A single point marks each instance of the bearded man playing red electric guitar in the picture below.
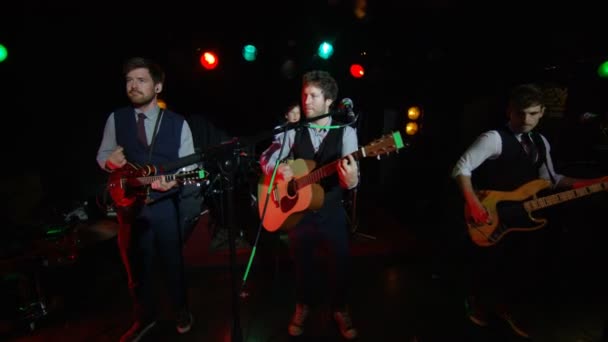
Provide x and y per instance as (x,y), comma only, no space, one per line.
(147,135)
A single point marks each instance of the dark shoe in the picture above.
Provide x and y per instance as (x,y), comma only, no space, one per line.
(296,326)
(516,326)
(477,313)
(345,324)
(184,322)
(137,331)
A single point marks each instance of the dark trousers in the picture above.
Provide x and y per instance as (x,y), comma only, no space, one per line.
(508,273)
(152,233)
(330,231)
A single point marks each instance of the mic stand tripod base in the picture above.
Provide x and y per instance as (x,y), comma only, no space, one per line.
(354,231)
(370,237)
(229,169)
(352,217)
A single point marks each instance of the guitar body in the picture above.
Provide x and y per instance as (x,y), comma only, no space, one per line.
(287,205)
(507,213)
(123,187)
(130,185)
(289,201)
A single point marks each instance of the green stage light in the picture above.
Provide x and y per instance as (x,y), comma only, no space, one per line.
(602,70)
(325,50)
(250,53)
(3,53)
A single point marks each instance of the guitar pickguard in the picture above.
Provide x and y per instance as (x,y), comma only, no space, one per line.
(513,216)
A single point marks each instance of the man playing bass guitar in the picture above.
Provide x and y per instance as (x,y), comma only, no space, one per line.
(504,160)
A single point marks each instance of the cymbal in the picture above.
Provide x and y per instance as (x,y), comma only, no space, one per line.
(98,231)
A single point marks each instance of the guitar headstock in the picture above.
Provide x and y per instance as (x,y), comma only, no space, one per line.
(191,177)
(384,145)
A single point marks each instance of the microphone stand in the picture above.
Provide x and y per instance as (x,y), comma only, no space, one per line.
(228,168)
(351,202)
(227,156)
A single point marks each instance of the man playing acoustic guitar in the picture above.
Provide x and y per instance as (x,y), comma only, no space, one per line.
(504,160)
(323,142)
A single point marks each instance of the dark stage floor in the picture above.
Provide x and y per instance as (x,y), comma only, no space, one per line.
(406,286)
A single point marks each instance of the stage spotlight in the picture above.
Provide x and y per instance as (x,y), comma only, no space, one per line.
(325,50)
(360,9)
(411,128)
(209,60)
(3,53)
(289,69)
(414,120)
(357,70)
(250,53)
(602,70)
(413,113)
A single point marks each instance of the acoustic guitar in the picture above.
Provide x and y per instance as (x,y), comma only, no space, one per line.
(290,200)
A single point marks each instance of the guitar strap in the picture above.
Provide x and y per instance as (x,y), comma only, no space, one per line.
(156,124)
(296,137)
(550,174)
(542,149)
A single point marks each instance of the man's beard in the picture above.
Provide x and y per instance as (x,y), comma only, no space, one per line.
(141,101)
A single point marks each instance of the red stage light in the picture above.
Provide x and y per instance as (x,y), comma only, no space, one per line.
(209,60)
(357,71)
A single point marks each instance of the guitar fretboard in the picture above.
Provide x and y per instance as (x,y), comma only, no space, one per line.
(561,197)
(150,179)
(324,171)
(388,143)
(146,180)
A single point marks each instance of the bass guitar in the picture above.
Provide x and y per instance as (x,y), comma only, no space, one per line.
(511,211)
(131,182)
(290,200)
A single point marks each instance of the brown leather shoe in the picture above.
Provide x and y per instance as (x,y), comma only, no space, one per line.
(296,326)
(517,326)
(345,325)
(477,312)
(137,331)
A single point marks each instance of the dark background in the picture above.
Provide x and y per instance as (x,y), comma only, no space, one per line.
(63,77)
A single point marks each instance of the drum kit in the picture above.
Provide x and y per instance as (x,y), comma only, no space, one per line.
(29,257)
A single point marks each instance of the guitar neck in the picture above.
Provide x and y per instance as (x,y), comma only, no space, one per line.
(150,179)
(548,201)
(324,171)
(385,145)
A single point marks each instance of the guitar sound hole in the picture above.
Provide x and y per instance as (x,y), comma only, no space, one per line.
(292,189)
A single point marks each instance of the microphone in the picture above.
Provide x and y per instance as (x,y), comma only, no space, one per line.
(346,105)
(588,116)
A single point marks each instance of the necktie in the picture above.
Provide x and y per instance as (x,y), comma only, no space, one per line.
(141,129)
(529,146)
